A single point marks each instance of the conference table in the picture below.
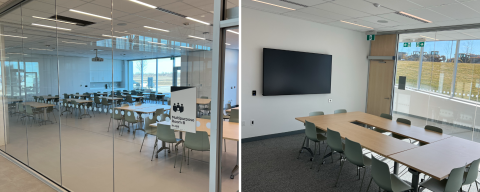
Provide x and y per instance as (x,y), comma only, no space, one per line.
(143,108)
(41,105)
(230,132)
(437,158)
(81,101)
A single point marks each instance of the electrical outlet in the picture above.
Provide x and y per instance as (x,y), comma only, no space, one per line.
(243,123)
(251,122)
(330,100)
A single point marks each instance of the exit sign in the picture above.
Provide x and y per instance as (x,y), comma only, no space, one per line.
(407,44)
(370,37)
(420,44)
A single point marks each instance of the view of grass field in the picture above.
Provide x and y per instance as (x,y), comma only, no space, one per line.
(437,77)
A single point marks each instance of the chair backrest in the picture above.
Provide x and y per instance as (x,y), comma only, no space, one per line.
(129,99)
(29,109)
(74,103)
(166,134)
(381,174)
(117,114)
(105,101)
(159,111)
(472,172)
(204,97)
(433,128)
(234,116)
(197,141)
(455,179)
(130,117)
(334,140)
(35,98)
(49,94)
(96,99)
(315,113)
(229,106)
(41,99)
(311,131)
(404,121)
(65,96)
(354,152)
(386,116)
(205,117)
(340,111)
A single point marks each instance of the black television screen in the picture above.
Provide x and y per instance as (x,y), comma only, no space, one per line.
(295,73)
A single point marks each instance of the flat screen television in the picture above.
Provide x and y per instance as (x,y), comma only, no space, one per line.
(296,73)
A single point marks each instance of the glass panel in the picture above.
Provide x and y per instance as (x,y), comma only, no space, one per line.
(438,66)
(137,74)
(408,60)
(467,85)
(165,75)
(149,75)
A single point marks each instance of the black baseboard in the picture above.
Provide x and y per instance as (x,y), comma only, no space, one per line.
(250,139)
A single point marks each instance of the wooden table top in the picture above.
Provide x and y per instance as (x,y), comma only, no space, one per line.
(38,105)
(80,100)
(230,129)
(48,97)
(203,101)
(144,108)
(228,110)
(439,158)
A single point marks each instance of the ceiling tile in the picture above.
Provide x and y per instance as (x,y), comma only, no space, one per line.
(363,6)
(323,13)
(332,7)
(402,20)
(431,3)
(267,8)
(375,19)
(430,15)
(398,5)
(308,17)
(456,11)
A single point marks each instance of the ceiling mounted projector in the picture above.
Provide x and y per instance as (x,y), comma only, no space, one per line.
(96,58)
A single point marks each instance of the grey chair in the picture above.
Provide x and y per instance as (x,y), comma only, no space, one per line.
(167,135)
(234,116)
(117,115)
(404,121)
(316,113)
(195,141)
(386,116)
(452,184)
(312,135)
(340,111)
(131,120)
(431,128)
(384,179)
(334,141)
(354,154)
(471,176)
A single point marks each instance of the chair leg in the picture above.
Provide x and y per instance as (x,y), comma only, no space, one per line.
(369,183)
(176,153)
(181,163)
(303,144)
(314,151)
(154,147)
(142,142)
(225,144)
(321,160)
(361,184)
(468,187)
(340,172)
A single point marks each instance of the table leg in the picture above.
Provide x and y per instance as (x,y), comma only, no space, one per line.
(415,179)
(44,114)
(395,168)
(235,169)
(162,148)
(140,127)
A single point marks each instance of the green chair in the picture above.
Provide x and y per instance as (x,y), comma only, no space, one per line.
(229,106)
(148,130)
(431,128)
(386,116)
(152,97)
(159,112)
(234,116)
(167,135)
(195,141)
(354,154)
(404,121)
(66,107)
(334,141)
(130,118)
(205,117)
(65,96)
(384,179)
(129,99)
(312,135)
(50,110)
(204,97)
(117,115)
(106,103)
(35,98)
(452,184)
(471,176)
(316,113)
(76,106)
(340,111)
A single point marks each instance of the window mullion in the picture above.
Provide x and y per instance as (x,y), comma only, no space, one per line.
(420,68)
(455,69)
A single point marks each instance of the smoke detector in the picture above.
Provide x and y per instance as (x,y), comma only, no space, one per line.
(96,58)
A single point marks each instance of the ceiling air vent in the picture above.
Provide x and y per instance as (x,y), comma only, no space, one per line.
(298,4)
(78,22)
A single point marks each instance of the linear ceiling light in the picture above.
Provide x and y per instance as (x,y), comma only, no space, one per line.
(74,43)
(355,24)
(227,44)
(186,47)
(124,32)
(48,26)
(233,32)
(144,4)
(113,36)
(85,13)
(54,20)
(413,17)
(273,5)
(202,22)
(156,28)
(13,36)
(156,43)
(40,49)
(196,37)
(428,37)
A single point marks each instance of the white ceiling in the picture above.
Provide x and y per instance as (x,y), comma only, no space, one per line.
(330,12)
(132,15)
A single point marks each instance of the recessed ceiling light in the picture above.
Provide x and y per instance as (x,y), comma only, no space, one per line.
(74,43)
(382,21)
(156,28)
(413,17)
(144,4)
(273,4)
(54,20)
(113,36)
(13,36)
(48,26)
(196,37)
(227,44)
(202,22)
(85,13)
(355,24)
(233,32)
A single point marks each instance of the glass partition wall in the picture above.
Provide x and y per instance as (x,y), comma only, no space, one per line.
(442,81)
(87,89)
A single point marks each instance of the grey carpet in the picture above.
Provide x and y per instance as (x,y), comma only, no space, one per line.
(272,165)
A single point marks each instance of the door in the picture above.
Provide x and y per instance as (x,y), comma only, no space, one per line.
(380,77)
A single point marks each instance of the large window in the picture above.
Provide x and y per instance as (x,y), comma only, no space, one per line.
(156,75)
(467,84)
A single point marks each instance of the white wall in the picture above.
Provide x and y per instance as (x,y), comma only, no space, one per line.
(276,114)
(231,77)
